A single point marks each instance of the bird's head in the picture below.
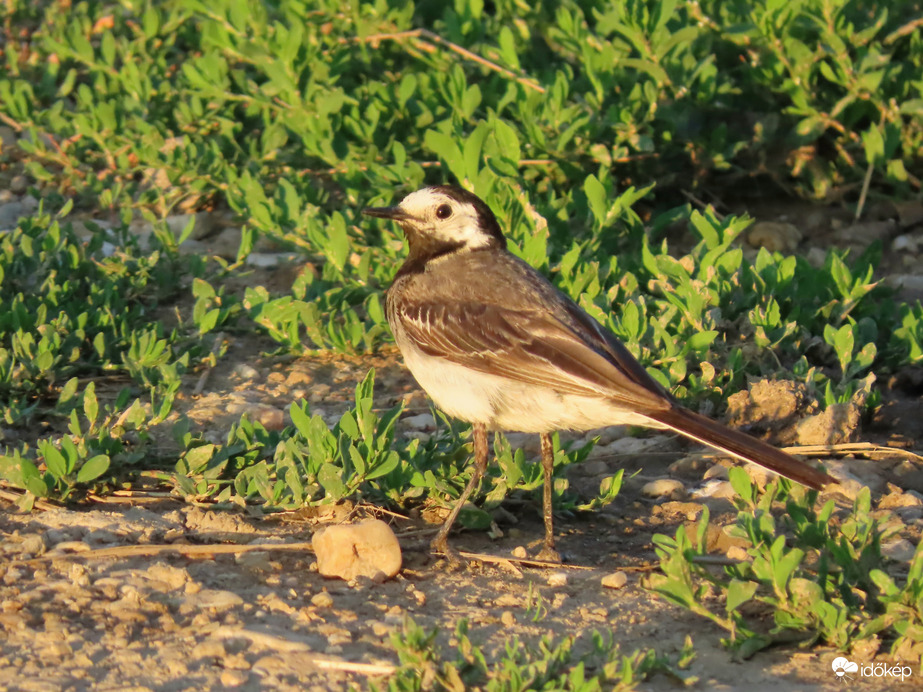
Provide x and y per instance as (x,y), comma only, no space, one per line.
(443,218)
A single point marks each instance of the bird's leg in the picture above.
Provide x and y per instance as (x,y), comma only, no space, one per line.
(548,552)
(440,543)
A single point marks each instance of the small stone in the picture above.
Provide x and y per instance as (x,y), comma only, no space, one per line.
(205,223)
(864,233)
(10,214)
(688,466)
(507,600)
(520,552)
(664,488)
(32,545)
(369,549)
(381,630)
(897,500)
(210,648)
(233,678)
(908,282)
(7,136)
(246,372)
(213,598)
(904,243)
(900,550)
(557,579)
(100,537)
(19,184)
(322,600)
(616,580)
(775,236)
(817,256)
(736,552)
(759,475)
(226,243)
(848,483)
(270,417)
(507,619)
(422,421)
(267,260)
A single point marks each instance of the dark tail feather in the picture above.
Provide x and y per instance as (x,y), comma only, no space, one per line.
(741,445)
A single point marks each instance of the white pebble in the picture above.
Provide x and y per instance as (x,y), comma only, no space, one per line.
(616,580)
(557,579)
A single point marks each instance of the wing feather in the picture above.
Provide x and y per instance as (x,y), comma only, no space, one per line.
(534,347)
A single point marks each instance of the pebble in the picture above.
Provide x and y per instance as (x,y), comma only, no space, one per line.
(557,578)
(226,243)
(687,466)
(850,484)
(775,236)
(421,421)
(900,550)
(7,136)
(520,552)
(32,545)
(904,243)
(204,224)
(664,488)
(10,213)
(213,598)
(616,580)
(267,260)
(507,619)
(835,425)
(736,552)
(322,600)
(865,232)
(635,445)
(909,282)
(233,678)
(19,184)
(898,499)
(760,475)
(367,549)
(246,372)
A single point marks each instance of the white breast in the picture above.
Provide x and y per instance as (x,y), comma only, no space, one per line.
(504,404)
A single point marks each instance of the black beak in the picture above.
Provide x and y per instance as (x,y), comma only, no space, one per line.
(393,213)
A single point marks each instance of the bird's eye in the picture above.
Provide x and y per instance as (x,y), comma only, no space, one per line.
(443,211)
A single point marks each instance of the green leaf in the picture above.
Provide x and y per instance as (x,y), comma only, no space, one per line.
(93,468)
(701,340)
(330,478)
(738,593)
(508,141)
(596,198)
(54,460)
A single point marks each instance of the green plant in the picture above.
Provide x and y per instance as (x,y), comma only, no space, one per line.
(819,580)
(548,665)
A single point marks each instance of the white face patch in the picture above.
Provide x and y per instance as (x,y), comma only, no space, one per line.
(440,217)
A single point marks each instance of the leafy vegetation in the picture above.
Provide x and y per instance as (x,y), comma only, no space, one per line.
(547,666)
(817,579)
(581,123)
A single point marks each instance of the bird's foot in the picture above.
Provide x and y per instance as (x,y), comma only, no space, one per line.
(440,546)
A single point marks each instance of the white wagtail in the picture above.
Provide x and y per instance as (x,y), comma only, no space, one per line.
(495,344)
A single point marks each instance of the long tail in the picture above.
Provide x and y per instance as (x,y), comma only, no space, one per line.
(741,445)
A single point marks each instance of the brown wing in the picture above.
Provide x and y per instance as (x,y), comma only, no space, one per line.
(534,347)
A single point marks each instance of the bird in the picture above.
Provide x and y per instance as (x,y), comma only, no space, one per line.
(495,344)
